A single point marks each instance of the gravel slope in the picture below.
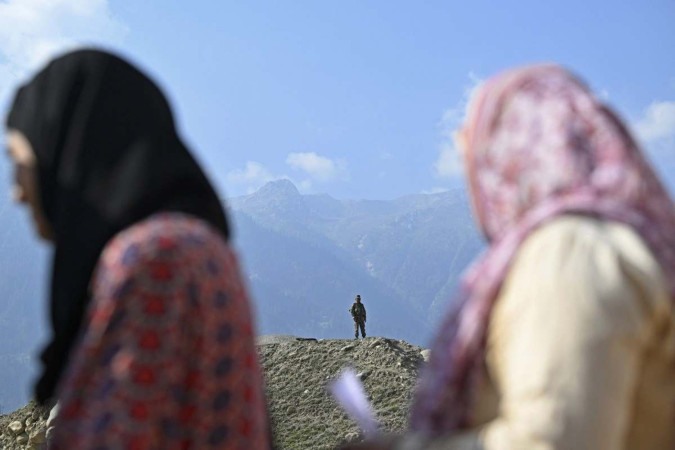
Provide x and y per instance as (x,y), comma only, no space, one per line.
(304,415)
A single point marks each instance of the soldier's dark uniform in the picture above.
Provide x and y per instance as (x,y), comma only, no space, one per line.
(359,315)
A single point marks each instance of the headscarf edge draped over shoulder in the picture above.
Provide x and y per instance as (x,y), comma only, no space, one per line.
(108,156)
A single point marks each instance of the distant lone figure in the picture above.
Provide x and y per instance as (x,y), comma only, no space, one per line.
(359,315)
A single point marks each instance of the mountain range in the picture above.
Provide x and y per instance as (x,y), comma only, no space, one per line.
(307,256)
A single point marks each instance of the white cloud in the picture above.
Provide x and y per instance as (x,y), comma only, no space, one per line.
(254,175)
(655,129)
(304,185)
(33,31)
(657,123)
(318,167)
(449,163)
(251,177)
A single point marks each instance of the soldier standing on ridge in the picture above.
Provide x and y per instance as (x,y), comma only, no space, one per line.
(358,312)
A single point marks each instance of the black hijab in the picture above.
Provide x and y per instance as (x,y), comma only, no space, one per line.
(108,156)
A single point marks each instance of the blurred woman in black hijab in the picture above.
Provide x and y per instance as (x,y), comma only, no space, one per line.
(152,336)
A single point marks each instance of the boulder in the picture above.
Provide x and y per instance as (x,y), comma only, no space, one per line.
(16,427)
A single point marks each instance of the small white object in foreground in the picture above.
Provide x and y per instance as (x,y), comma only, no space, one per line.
(349,393)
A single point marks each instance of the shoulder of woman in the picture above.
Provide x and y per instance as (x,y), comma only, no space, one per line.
(163,235)
(607,257)
(573,235)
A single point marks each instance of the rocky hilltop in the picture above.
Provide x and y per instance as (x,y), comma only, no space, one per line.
(302,412)
(24,429)
(305,416)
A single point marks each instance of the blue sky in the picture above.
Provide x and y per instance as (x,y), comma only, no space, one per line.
(353,98)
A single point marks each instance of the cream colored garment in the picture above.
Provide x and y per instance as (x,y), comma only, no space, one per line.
(581,347)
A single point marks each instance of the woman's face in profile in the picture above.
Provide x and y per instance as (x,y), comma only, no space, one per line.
(25,181)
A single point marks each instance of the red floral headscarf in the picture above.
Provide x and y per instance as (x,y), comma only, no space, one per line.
(538,145)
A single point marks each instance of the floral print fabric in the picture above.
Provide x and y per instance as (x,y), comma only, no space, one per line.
(167,359)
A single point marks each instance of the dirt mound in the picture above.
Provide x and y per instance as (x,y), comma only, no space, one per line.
(303,413)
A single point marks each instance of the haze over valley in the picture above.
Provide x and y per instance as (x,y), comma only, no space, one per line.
(305,257)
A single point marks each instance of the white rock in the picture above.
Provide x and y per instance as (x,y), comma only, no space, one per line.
(426,354)
(22,439)
(16,427)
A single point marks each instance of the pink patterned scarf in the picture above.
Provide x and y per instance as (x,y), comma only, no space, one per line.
(539,145)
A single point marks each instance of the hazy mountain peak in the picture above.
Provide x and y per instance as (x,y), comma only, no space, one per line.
(283,187)
(277,200)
